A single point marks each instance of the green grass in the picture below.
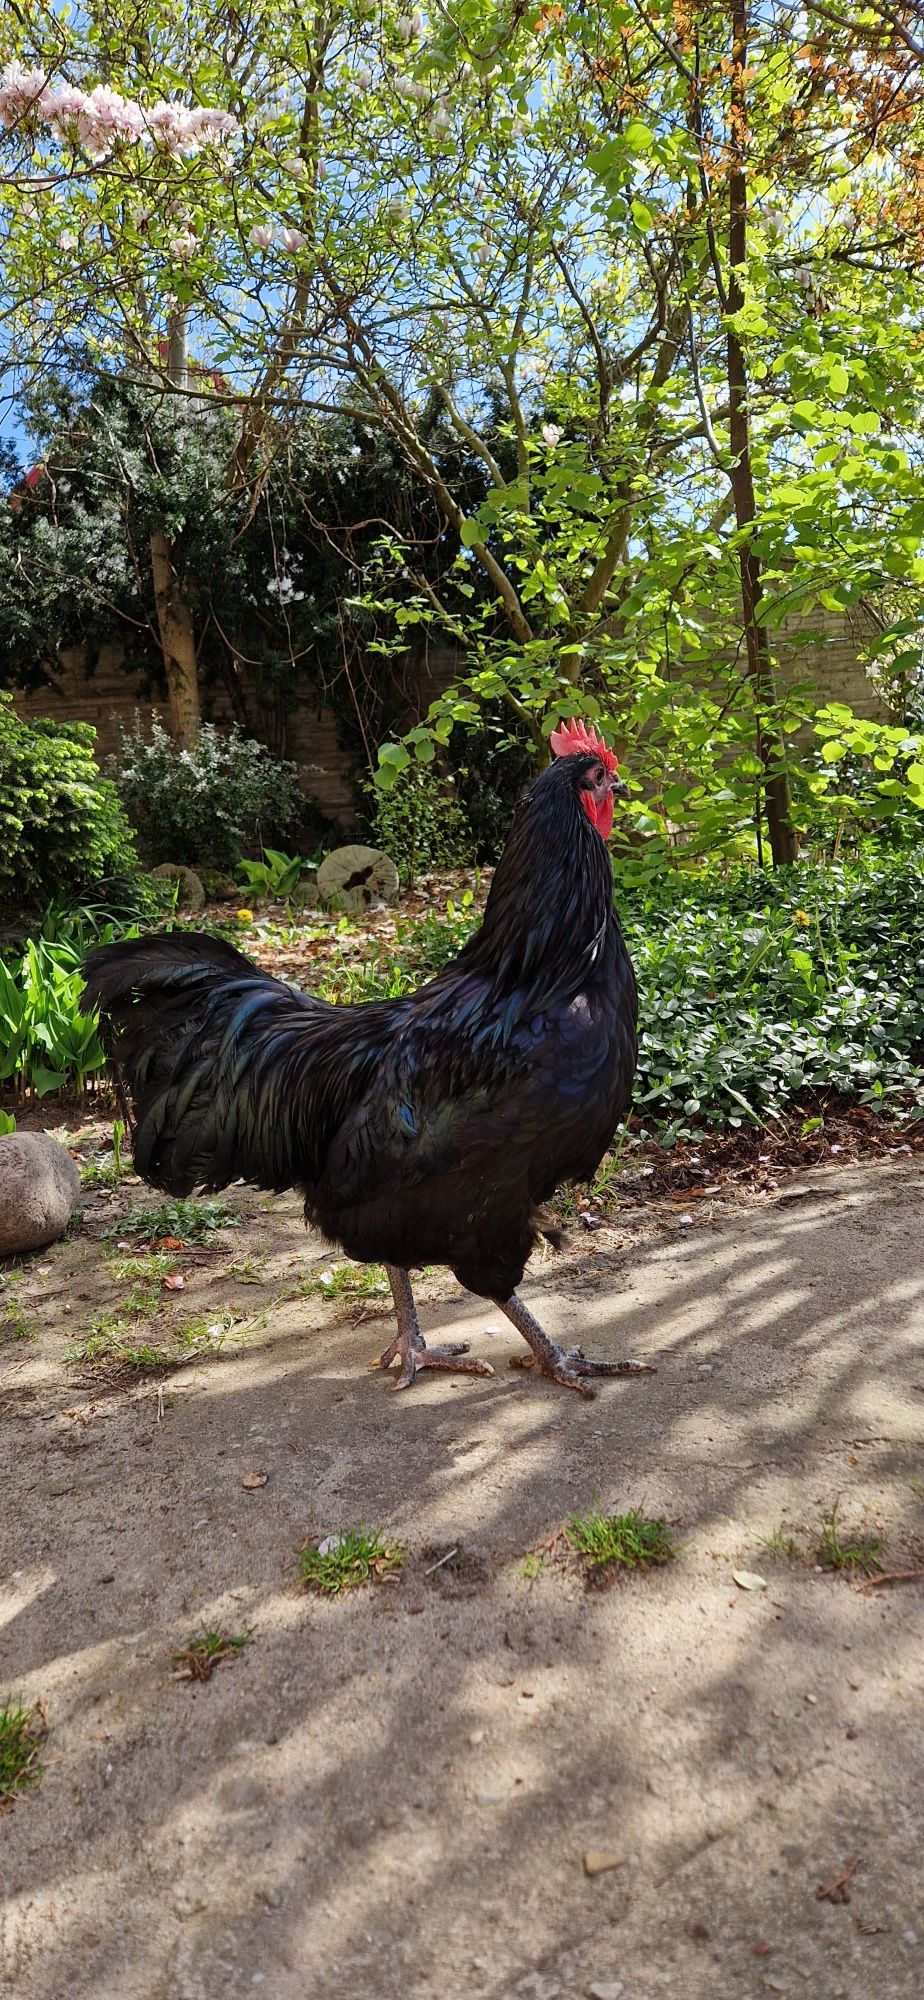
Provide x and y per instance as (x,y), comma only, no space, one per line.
(13,1323)
(780,1543)
(347,1281)
(207,1649)
(629,1541)
(840,1550)
(113,1343)
(187,1220)
(144,1271)
(21,1732)
(346,1561)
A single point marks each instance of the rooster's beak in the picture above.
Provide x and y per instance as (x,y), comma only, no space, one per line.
(619,788)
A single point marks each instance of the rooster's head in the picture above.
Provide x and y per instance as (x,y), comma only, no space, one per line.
(597,781)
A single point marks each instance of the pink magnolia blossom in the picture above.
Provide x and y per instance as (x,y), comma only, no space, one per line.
(262,236)
(21,92)
(99,118)
(293,239)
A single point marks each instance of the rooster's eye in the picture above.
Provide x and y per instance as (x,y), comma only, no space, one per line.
(597,774)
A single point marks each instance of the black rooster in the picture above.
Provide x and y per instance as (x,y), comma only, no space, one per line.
(424,1130)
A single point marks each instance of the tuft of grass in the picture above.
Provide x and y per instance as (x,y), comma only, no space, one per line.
(630,1541)
(780,1543)
(21,1733)
(345,1562)
(113,1343)
(186,1220)
(206,1649)
(533,1565)
(347,1281)
(144,1270)
(839,1550)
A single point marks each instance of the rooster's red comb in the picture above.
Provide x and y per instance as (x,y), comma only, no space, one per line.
(571,739)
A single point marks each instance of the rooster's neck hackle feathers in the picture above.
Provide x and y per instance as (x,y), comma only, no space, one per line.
(551,900)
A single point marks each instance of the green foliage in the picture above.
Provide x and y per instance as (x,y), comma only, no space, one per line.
(212,804)
(61,824)
(418,821)
(628,1541)
(46,1042)
(277,875)
(345,1562)
(760,991)
(189,1220)
(7,1124)
(21,1732)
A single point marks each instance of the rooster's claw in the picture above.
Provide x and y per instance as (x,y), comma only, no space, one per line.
(415,1355)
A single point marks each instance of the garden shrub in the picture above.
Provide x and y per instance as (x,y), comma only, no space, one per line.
(226,798)
(62,827)
(420,823)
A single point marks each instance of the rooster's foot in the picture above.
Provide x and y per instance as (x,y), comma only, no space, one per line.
(410,1346)
(570,1368)
(415,1354)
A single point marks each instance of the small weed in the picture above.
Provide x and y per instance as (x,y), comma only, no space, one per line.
(14,1324)
(917,1486)
(628,1540)
(837,1550)
(21,1733)
(347,1281)
(344,1562)
(533,1565)
(250,1271)
(205,1650)
(112,1168)
(187,1221)
(779,1543)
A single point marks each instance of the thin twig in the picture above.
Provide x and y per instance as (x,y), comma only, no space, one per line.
(443,1559)
(891,1576)
(838,1891)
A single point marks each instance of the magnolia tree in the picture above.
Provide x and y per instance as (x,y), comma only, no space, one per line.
(643,259)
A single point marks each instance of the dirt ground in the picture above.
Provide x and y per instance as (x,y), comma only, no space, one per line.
(392,1794)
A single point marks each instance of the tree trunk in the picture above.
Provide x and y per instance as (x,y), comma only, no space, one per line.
(174,616)
(777,798)
(178,640)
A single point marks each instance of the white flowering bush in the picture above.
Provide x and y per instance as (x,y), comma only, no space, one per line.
(206,807)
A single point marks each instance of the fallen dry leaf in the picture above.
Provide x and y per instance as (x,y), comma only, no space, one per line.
(748,1579)
(252,1480)
(174,1283)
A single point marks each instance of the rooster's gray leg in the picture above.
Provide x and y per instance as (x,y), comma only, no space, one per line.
(569,1368)
(410,1344)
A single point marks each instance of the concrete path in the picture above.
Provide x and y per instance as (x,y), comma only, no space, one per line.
(390,1797)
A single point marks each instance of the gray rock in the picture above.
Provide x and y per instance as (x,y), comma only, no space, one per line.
(190,892)
(354,877)
(39,1189)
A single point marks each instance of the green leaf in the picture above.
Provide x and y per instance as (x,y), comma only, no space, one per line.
(839,380)
(642,216)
